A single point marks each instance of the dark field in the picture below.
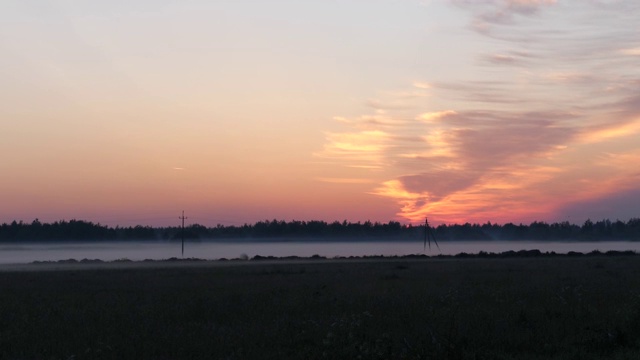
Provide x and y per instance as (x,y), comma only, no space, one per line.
(524,308)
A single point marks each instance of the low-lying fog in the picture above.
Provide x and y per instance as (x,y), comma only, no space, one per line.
(17,253)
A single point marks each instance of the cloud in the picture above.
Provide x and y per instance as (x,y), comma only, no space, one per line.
(572,77)
(399,100)
(480,92)
(433,117)
(488,13)
(501,59)
(437,184)
(631,52)
(500,196)
(421,85)
(346,180)
(526,6)
(361,149)
(554,121)
(621,160)
(451,154)
(609,132)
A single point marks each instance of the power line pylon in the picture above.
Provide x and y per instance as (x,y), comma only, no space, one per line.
(182,231)
(428,235)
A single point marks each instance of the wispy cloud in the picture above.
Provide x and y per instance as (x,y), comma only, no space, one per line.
(433,117)
(552,124)
(631,52)
(488,13)
(346,180)
(612,131)
(358,149)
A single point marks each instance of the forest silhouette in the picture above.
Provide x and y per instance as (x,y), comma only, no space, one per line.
(268,230)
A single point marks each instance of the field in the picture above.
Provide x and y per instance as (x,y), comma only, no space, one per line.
(515,308)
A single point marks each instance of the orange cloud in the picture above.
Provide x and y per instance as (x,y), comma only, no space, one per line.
(517,142)
(421,85)
(435,116)
(346,180)
(507,191)
(364,148)
(609,132)
(631,51)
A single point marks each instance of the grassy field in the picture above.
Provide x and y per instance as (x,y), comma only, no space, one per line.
(516,308)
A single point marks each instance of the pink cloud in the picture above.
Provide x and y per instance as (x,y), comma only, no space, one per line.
(529,136)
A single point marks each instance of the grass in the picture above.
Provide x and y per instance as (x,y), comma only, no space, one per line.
(524,308)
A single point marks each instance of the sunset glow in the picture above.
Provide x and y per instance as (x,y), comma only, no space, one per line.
(460,111)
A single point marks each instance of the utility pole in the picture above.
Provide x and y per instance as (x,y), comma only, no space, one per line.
(428,235)
(182,232)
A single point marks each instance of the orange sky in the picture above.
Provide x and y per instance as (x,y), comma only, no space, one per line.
(501,111)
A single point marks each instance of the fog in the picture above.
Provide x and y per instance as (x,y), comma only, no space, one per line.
(137,251)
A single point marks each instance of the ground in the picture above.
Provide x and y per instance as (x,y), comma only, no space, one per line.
(479,308)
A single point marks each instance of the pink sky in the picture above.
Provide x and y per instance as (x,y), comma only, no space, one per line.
(462,111)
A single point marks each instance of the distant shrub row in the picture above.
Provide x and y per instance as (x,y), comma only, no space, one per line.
(314,230)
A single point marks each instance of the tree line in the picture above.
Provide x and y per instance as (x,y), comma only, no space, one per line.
(79,230)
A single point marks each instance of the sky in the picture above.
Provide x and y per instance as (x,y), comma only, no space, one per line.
(128,112)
